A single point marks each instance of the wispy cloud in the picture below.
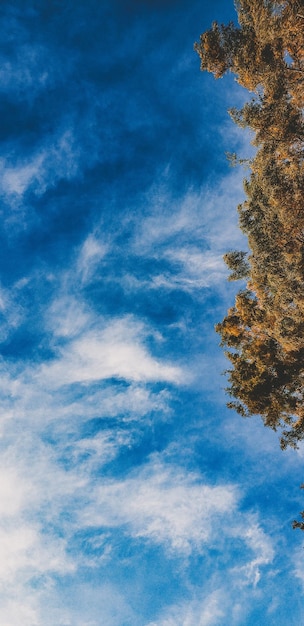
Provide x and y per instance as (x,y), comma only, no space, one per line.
(91,253)
(207,612)
(163,505)
(57,158)
(261,546)
(190,234)
(29,71)
(116,350)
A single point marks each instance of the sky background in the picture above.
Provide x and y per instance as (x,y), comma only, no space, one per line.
(129,494)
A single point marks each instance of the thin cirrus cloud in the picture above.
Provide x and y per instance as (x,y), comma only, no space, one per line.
(59,159)
(189,240)
(207,612)
(92,251)
(194,236)
(159,504)
(162,505)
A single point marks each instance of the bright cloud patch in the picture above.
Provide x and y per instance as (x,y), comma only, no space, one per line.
(164,506)
(116,351)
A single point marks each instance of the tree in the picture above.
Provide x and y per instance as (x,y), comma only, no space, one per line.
(236,261)
(263,333)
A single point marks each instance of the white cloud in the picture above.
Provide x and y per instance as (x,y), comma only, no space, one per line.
(26,397)
(297,561)
(193,270)
(25,555)
(13,613)
(208,216)
(261,547)
(228,595)
(44,502)
(91,253)
(164,505)
(117,350)
(67,316)
(15,180)
(58,157)
(32,550)
(40,497)
(13,492)
(191,234)
(10,312)
(99,449)
(206,612)
(197,269)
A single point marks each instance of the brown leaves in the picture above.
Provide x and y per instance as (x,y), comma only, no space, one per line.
(264,331)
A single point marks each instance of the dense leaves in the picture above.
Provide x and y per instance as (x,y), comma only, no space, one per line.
(263,333)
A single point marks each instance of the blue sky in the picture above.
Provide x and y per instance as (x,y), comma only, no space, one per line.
(129,494)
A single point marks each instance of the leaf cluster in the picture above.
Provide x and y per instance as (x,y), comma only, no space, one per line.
(263,333)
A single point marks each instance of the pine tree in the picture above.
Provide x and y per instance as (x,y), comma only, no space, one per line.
(264,331)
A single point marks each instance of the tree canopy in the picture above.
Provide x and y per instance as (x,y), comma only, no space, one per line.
(263,333)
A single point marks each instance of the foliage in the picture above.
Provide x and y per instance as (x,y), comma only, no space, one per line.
(263,333)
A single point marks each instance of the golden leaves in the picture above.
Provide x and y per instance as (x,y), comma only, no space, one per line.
(265,328)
